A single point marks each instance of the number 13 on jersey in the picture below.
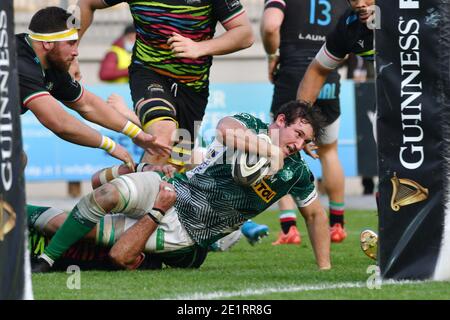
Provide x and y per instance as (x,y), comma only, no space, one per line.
(323,15)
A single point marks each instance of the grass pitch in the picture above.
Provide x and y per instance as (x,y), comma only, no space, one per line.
(245,272)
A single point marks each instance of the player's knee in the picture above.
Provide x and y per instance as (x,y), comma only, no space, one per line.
(90,209)
(118,194)
(153,109)
(107,197)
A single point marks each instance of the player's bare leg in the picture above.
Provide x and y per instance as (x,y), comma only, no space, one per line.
(334,184)
(164,130)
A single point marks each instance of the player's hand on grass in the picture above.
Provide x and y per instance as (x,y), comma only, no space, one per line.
(183,47)
(166,197)
(310,150)
(149,143)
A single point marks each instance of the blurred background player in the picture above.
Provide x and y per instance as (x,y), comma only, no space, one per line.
(172,56)
(44,58)
(361,70)
(292,32)
(350,35)
(114,66)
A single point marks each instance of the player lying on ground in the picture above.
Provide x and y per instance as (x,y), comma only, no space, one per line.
(252,231)
(92,251)
(208,204)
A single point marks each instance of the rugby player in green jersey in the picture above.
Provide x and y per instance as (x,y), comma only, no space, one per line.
(196,209)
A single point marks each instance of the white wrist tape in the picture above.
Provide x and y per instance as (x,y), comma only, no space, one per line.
(140,167)
(156,215)
(327,60)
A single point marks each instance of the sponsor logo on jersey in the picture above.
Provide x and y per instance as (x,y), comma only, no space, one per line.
(49,86)
(263,190)
(74,83)
(312,37)
(213,156)
(361,43)
(231,4)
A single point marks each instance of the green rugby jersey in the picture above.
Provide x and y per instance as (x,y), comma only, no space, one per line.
(195,19)
(210,204)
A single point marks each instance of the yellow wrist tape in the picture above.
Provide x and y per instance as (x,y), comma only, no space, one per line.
(131,130)
(107,144)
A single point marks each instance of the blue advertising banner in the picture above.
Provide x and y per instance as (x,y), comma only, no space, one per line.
(51,158)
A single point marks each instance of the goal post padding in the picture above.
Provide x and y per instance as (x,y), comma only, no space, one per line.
(413,138)
(14,283)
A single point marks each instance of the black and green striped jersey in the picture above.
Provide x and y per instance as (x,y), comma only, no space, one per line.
(155,21)
(210,204)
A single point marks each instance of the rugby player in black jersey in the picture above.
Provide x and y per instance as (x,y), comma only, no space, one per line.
(44,57)
(172,56)
(297,30)
(353,33)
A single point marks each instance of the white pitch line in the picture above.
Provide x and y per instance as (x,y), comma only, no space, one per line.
(303,288)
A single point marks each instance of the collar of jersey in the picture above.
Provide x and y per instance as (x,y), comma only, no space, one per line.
(36,58)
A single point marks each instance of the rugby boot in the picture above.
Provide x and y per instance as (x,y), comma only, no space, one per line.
(292,237)
(337,233)
(254,232)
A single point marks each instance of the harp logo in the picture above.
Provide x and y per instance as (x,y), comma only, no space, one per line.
(406,192)
(7,219)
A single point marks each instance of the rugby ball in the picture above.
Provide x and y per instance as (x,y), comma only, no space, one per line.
(248,169)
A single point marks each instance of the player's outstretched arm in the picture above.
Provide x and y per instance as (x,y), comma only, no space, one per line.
(317,223)
(87,8)
(126,252)
(49,112)
(312,82)
(94,109)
